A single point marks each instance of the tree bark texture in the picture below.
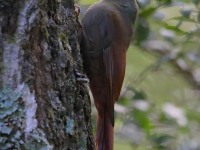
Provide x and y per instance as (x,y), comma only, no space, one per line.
(42,103)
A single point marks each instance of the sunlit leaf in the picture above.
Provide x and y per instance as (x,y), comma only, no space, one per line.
(142,120)
(173,28)
(124,101)
(183,19)
(193,115)
(165,2)
(147,12)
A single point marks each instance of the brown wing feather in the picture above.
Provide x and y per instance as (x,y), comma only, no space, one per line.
(108,65)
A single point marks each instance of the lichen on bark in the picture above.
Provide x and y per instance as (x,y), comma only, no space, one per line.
(39,50)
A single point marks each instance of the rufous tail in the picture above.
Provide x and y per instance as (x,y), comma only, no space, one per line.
(105,129)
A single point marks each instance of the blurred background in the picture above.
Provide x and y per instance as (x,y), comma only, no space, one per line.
(159,106)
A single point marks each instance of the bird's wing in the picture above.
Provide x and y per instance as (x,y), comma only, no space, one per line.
(108,65)
(100,29)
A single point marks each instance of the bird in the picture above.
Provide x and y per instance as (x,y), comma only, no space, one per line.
(106,35)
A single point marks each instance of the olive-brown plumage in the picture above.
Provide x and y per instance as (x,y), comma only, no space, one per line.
(107,32)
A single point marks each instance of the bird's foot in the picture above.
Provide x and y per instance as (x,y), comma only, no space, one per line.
(77,10)
(81,77)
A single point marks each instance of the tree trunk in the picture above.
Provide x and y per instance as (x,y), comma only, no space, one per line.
(43,102)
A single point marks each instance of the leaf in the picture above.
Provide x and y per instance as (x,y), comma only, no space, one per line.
(147,12)
(160,140)
(173,28)
(165,2)
(198,17)
(142,30)
(193,115)
(124,101)
(142,120)
(139,95)
(195,2)
(183,19)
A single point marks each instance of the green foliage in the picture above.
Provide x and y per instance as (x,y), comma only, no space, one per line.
(160,141)
(166,124)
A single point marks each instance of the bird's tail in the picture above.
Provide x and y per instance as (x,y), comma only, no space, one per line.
(104,136)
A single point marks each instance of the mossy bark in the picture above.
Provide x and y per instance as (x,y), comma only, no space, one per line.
(42,103)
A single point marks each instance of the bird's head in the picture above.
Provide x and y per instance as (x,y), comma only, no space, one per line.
(128,8)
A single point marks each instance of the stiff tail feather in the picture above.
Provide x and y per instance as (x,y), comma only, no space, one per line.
(105,130)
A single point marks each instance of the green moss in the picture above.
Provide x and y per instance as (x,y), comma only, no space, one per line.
(46,33)
(64,39)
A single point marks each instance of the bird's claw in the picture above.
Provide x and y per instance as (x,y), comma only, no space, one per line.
(77,10)
(81,77)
